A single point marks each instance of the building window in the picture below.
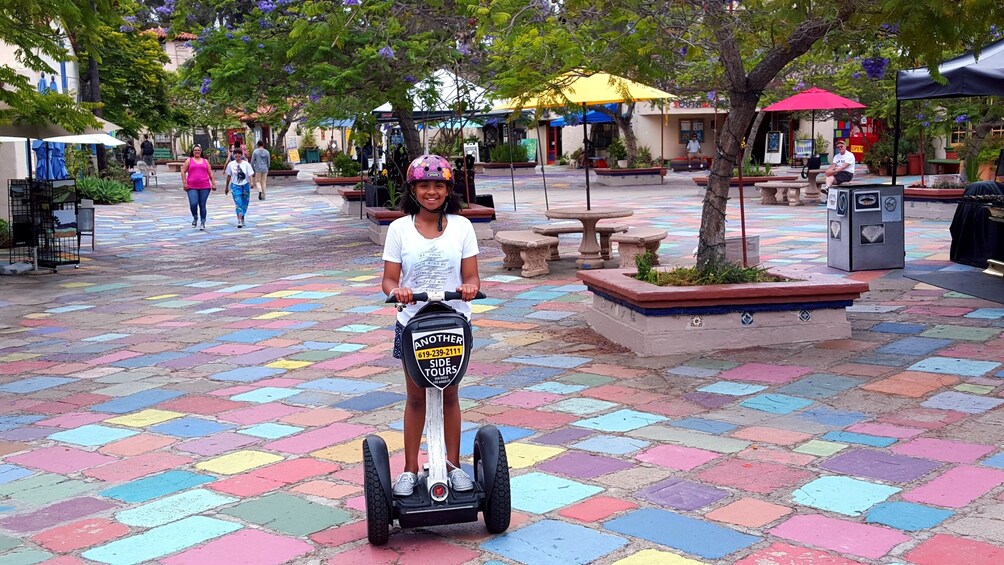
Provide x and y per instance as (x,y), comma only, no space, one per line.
(688,127)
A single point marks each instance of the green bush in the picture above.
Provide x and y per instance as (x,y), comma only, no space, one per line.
(104,191)
(616,150)
(277,162)
(343,166)
(4,234)
(503,153)
(720,272)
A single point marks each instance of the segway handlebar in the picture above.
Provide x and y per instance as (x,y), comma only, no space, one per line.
(436,296)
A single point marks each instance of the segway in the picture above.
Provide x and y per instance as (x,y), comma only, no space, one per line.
(436,346)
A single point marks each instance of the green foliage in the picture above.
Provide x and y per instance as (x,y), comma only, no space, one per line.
(78,161)
(563,159)
(309,141)
(576,157)
(343,166)
(644,263)
(277,162)
(4,234)
(717,272)
(104,191)
(643,158)
(991,148)
(616,151)
(504,153)
(822,146)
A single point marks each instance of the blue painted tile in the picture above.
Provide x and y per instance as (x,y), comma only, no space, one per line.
(915,346)
(620,421)
(541,295)
(92,435)
(34,384)
(271,430)
(556,388)
(341,386)
(968,403)
(148,360)
(704,425)
(858,439)
(986,313)
(357,328)
(247,374)
(364,309)
(371,401)
(550,315)
(995,461)
(611,445)
(908,516)
(14,422)
(172,508)
(136,401)
(319,345)
(843,495)
(690,535)
(265,394)
(9,473)
(347,347)
(820,385)
(156,486)
(830,417)
(953,366)
(250,336)
(898,328)
(540,493)
(161,540)
(775,403)
(478,392)
(510,434)
(557,361)
(550,541)
(524,377)
(190,426)
(106,337)
(688,371)
(732,388)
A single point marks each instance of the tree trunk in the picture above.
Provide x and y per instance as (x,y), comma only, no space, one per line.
(623,123)
(288,119)
(92,93)
(412,141)
(754,130)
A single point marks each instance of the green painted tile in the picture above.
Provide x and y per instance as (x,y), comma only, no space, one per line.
(586,379)
(314,356)
(961,332)
(718,444)
(46,488)
(820,447)
(975,389)
(173,508)
(161,541)
(288,514)
(25,557)
(8,543)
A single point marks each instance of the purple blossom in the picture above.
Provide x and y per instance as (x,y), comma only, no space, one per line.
(126,29)
(410,79)
(920,116)
(799,86)
(266,6)
(925,124)
(204,89)
(890,28)
(289,69)
(187,44)
(261,46)
(164,11)
(682,51)
(464,49)
(856,75)
(129,19)
(386,52)
(351,2)
(961,118)
(264,24)
(246,38)
(230,35)
(875,67)
(712,94)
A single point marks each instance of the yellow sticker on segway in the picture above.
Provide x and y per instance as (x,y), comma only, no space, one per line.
(440,355)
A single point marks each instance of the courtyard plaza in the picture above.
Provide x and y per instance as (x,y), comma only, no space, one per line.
(190,397)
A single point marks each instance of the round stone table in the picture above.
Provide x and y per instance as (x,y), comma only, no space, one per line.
(589,251)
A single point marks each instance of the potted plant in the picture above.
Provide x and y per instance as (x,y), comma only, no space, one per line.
(822,149)
(311,154)
(576,158)
(987,157)
(617,153)
(505,157)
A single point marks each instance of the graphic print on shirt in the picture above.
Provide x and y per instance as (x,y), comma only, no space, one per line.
(431,270)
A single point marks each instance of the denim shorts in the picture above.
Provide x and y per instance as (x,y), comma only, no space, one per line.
(398,330)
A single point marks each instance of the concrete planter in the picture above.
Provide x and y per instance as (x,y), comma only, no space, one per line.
(480,216)
(525,169)
(282,174)
(633,177)
(352,202)
(655,320)
(330,185)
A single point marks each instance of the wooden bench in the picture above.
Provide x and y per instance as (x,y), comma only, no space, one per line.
(527,250)
(637,241)
(174,166)
(561,228)
(789,192)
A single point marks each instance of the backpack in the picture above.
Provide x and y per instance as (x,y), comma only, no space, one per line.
(130,152)
(147,147)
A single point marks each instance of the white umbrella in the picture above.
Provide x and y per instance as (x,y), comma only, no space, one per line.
(87,139)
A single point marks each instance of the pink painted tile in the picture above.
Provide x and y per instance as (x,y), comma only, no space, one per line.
(82,399)
(416,549)
(927,418)
(305,442)
(245,485)
(357,503)
(61,459)
(943,450)
(21,367)
(622,394)
(342,534)
(74,420)
(361,372)
(136,445)
(863,540)
(770,455)
(671,408)
(596,508)
(53,408)
(260,413)
(63,560)
(765,373)
(316,417)
(749,512)
(295,470)
(233,349)
(677,457)
(771,435)
(113,357)
(203,405)
(63,369)
(247,547)
(942,549)
(785,554)
(346,361)
(763,478)
(532,419)
(138,466)
(956,487)
(78,535)
(527,399)
(886,430)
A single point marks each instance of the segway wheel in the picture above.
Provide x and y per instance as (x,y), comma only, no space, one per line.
(498,510)
(377,505)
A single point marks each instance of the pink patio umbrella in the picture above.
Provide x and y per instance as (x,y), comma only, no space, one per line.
(813,99)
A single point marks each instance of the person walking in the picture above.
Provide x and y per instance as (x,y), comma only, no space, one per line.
(197,180)
(433,248)
(146,150)
(239,175)
(260,160)
(129,155)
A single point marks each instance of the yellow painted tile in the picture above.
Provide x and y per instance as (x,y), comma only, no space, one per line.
(280,294)
(76,284)
(161,296)
(656,557)
(145,418)
(272,315)
(523,455)
(37,316)
(238,462)
(287,364)
(481,308)
(363,278)
(352,451)
(18,356)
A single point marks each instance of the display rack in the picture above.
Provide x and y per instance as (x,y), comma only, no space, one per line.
(44,222)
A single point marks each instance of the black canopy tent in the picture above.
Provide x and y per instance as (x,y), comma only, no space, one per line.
(973,74)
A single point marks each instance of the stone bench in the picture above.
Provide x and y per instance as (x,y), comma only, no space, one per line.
(561,228)
(174,166)
(789,191)
(637,241)
(527,250)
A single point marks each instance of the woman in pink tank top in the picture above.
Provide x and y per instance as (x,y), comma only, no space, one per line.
(197,180)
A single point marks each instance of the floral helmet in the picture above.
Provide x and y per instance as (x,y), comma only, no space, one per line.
(430,167)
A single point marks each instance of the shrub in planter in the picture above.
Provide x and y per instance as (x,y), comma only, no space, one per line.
(343,166)
(278,163)
(617,152)
(104,191)
(4,234)
(503,153)
(721,272)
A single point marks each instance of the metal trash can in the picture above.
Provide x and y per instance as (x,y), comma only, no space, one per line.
(137,181)
(865,227)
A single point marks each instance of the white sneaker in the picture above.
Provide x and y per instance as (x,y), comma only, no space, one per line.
(459,481)
(405,484)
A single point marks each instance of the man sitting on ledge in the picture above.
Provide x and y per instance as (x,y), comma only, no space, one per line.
(842,169)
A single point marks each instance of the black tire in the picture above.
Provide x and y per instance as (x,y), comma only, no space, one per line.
(377,505)
(498,510)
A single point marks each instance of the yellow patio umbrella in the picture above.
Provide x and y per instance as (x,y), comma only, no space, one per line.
(584,88)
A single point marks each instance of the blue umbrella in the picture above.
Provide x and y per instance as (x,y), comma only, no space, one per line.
(51,160)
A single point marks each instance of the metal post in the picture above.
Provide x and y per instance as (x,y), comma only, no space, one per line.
(742,206)
(585,162)
(895,143)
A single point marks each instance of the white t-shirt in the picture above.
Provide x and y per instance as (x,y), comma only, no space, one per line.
(430,265)
(232,172)
(693,146)
(847,157)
